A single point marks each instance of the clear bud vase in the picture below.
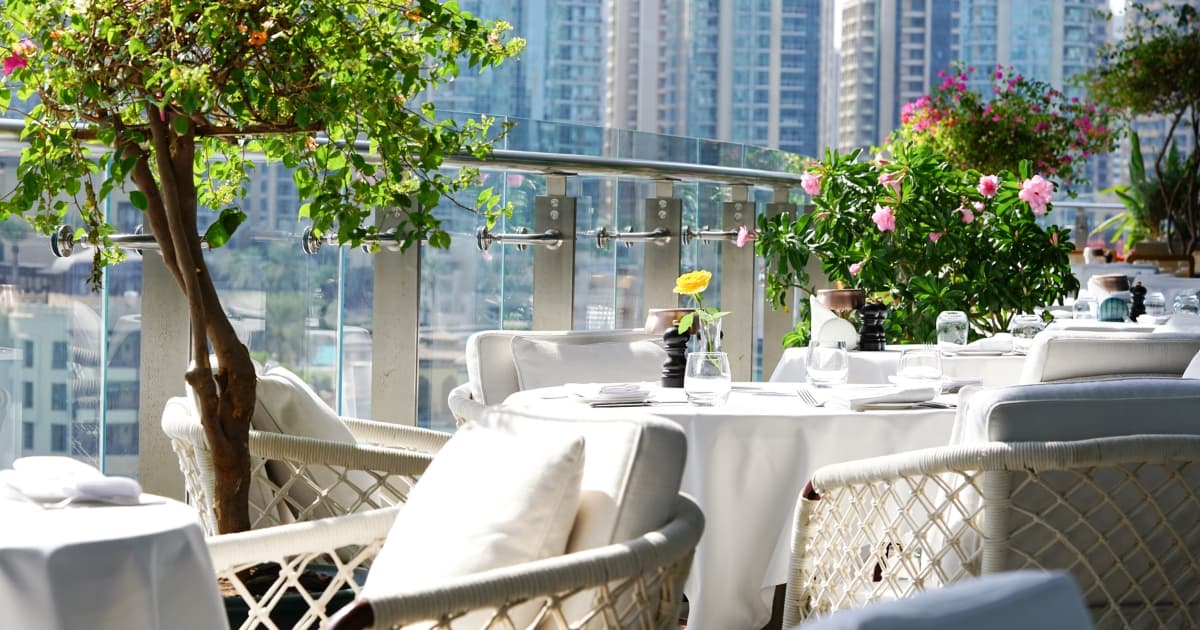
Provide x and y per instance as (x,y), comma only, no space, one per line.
(709,337)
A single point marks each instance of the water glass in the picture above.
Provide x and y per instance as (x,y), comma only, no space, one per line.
(1085,307)
(951,330)
(1187,303)
(920,365)
(706,381)
(1156,304)
(828,363)
(1024,328)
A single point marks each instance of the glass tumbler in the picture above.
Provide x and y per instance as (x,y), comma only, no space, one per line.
(1024,328)
(951,331)
(1085,307)
(706,381)
(1156,304)
(828,363)
(920,365)
(1187,303)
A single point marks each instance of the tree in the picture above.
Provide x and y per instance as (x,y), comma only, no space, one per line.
(1154,70)
(173,97)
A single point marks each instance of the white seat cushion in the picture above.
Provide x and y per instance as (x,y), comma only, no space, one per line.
(1018,599)
(489,499)
(548,363)
(1193,368)
(491,369)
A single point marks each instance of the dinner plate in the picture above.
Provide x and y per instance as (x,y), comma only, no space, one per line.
(978,353)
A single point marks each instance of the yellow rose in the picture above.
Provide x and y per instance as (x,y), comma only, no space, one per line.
(693,282)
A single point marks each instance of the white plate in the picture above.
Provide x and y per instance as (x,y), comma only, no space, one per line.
(978,353)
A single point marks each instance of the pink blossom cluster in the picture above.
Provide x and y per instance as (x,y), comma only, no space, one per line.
(811,182)
(1037,192)
(884,218)
(18,58)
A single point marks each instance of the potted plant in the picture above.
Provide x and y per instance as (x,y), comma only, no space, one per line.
(166,99)
(1154,70)
(922,236)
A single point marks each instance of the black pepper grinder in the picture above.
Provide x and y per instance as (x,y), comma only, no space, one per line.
(1139,301)
(870,336)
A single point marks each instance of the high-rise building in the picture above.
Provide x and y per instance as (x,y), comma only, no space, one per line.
(736,70)
(891,53)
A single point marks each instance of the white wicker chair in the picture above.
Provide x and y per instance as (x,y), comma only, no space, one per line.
(492,371)
(323,478)
(1069,355)
(1119,514)
(638,583)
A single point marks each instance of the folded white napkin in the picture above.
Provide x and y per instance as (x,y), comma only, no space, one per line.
(49,479)
(1000,342)
(610,392)
(860,397)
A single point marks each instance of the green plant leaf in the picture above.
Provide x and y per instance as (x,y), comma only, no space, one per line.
(221,230)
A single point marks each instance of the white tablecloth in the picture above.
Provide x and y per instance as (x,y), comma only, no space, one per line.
(872,368)
(106,567)
(746,465)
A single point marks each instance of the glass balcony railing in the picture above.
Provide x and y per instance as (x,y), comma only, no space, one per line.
(73,376)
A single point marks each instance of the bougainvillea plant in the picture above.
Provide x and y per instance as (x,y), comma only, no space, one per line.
(1154,70)
(922,236)
(171,100)
(1015,119)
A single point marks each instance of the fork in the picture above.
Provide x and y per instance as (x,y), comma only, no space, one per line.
(808,398)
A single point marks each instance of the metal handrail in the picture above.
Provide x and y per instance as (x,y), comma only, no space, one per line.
(658,236)
(707,234)
(551,238)
(63,241)
(310,243)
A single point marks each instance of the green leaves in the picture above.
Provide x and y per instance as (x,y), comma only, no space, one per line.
(223,228)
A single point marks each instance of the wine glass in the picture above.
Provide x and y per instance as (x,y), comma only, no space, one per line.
(828,363)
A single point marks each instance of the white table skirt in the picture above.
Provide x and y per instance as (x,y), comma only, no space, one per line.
(106,567)
(746,465)
(873,368)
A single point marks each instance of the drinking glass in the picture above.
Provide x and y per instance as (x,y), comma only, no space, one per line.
(828,363)
(706,381)
(920,365)
(1085,307)
(1024,328)
(951,330)
(1156,304)
(1187,303)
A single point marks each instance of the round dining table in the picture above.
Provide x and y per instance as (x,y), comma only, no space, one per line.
(106,567)
(993,369)
(747,462)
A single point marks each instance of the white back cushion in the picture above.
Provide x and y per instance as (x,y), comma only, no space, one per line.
(1079,410)
(1193,368)
(489,499)
(549,363)
(632,473)
(1059,355)
(286,404)
(492,370)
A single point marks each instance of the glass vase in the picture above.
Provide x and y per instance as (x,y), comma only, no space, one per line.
(708,337)
(707,380)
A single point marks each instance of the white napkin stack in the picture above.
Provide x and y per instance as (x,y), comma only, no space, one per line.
(1000,342)
(610,392)
(61,480)
(859,398)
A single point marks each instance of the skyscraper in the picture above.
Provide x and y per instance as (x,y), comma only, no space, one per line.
(737,70)
(891,53)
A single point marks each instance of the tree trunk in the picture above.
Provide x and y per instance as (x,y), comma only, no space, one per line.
(225,397)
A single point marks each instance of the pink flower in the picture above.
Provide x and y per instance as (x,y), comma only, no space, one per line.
(935,236)
(893,180)
(13,62)
(515,179)
(822,215)
(811,182)
(967,215)
(1037,192)
(988,185)
(855,267)
(1054,238)
(884,218)
(744,235)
